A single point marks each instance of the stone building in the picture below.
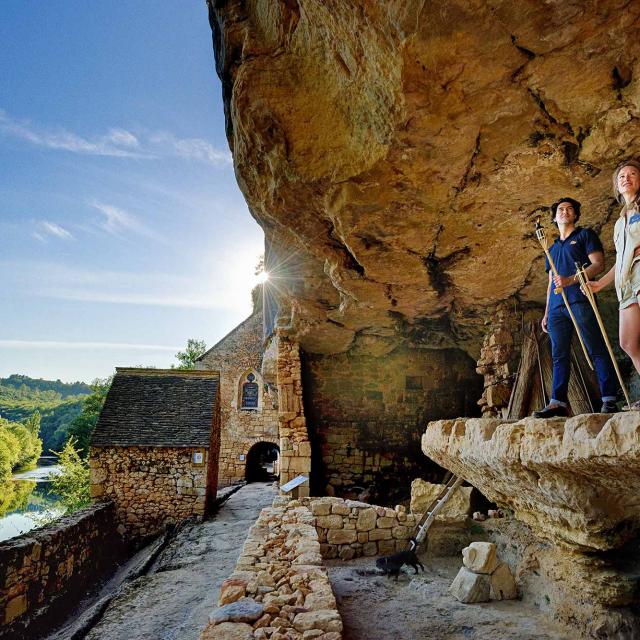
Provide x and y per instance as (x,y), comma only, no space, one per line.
(249,439)
(154,451)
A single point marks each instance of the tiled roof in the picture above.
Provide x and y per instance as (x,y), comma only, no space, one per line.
(158,408)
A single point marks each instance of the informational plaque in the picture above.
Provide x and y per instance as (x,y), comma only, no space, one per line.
(250,393)
(292,484)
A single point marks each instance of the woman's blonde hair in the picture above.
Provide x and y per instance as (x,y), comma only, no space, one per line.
(616,192)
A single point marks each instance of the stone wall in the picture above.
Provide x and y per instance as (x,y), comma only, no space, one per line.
(496,362)
(236,355)
(42,568)
(279,587)
(348,529)
(295,447)
(151,487)
(367,415)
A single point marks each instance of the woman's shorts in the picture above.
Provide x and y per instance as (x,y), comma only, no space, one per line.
(631,288)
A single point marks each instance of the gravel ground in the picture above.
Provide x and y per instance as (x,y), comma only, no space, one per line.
(374,607)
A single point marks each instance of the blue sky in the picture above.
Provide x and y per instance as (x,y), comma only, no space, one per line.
(122,229)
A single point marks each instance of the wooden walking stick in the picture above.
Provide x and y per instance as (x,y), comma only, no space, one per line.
(584,280)
(542,239)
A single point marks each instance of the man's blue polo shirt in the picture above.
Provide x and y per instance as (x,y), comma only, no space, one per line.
(565,253)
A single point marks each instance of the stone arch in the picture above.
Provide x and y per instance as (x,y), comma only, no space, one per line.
(250,379)
(262,462)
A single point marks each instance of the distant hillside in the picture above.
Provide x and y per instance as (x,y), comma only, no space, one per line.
(58,403)
(65,389)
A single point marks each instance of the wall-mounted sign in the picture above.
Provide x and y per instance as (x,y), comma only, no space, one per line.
(198,457)
(242,457)
(250,393)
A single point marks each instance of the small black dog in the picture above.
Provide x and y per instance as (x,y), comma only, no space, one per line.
(392,564)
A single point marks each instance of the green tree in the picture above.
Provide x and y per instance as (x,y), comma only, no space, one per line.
(82,426)
(187,358)
(30,445)
(32,423)
(72,484)
(9,450)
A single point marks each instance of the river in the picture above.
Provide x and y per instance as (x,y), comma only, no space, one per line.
(26,501)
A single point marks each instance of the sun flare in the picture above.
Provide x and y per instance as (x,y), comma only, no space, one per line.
(262,277)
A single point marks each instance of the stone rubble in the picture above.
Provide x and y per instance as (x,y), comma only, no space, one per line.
(470,587)
(279,584)
(483,577)
(480,557)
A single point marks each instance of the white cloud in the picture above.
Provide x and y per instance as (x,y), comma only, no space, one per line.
(191,148)
(61,344)
(53,229)
(117,142)
(122,137)
(208,290)
(110,145)
(117,221)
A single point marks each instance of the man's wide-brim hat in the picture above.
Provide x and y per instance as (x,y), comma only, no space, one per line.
(574,203)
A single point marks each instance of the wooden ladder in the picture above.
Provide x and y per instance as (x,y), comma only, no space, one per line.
(451,484)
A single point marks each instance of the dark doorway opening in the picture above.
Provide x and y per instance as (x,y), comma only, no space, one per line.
(263,462)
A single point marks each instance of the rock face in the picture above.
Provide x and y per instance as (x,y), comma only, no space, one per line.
(456,508)
(396,152)
(573,481)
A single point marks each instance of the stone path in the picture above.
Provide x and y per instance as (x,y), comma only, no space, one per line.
(420,607)
(174,600)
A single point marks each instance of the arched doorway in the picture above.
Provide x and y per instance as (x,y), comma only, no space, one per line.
(263,462)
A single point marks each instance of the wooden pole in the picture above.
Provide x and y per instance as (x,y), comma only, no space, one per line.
(540,235)
(584,280)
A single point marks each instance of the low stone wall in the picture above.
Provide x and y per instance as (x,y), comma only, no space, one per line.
(348,529)
(279,589)
(151,487)
(43,568)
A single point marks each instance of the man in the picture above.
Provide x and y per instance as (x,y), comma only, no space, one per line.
(575,244)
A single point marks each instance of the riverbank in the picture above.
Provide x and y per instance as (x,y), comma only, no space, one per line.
(26,501)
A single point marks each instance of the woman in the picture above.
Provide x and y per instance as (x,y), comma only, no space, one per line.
(626,271)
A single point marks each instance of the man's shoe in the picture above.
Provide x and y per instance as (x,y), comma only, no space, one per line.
(551,411)
(609,406)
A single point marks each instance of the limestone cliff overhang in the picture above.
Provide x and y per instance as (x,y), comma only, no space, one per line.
(158,408)
(575,481)
(397,152)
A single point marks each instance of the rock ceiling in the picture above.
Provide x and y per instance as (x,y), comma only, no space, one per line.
(397,152)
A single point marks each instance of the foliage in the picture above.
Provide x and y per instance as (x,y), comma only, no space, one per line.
(30,445)
(82,426)
(256,292)
(72,484)
(15,495)
(187,358)
(9,450)
(64,389)
(20,446)
(55,422)
(57,402)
